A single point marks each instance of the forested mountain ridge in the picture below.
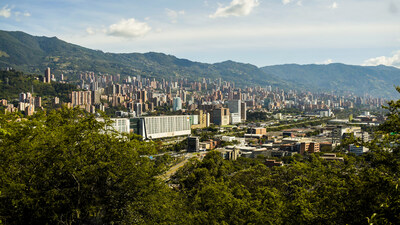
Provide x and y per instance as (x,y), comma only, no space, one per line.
(32,54)
(372,80)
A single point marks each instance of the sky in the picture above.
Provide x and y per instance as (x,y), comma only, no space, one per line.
(260,32)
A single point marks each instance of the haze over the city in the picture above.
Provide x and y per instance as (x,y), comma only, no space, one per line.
(261,32)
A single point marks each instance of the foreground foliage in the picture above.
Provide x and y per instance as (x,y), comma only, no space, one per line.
(67,168)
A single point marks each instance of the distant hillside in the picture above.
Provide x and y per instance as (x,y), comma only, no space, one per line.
(12,83)
(374,80)
(32,54)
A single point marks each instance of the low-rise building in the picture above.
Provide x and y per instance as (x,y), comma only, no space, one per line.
(332,157)
(272,163)
(357,149)
(310,147)
(229,154)
(221,116)
(161,126)
(257,130)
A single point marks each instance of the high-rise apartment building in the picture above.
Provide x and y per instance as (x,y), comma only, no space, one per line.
(47,75)
(81,98)
(138,109)
(38,101)
(193,144)
(177,104)
(243,111)
(235,110)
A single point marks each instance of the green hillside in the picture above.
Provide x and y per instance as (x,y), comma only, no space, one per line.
(374,80)
(12,83)
(32,54)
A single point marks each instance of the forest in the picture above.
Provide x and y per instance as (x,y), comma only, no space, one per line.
(65,167)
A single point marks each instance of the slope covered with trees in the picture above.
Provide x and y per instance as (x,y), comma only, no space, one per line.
(372,80)
(12,83)
(32,54)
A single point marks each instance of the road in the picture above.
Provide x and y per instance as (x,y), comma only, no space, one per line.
(175,168)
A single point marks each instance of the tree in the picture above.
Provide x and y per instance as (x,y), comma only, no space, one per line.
(68,168)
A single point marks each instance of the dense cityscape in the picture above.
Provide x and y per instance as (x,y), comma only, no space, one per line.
(167,109)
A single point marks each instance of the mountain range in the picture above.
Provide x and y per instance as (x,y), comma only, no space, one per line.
(32,54)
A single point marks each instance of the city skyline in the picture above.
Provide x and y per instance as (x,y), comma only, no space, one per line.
(250,31)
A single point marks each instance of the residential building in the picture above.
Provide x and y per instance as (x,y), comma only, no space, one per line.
(310,147)
(235,111)
(47,76)
(220,116)
(177,104)
(243,111)
(193,144)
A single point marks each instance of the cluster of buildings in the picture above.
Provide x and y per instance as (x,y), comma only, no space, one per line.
(184,104)
(26,104)
(257,141)
(139,95)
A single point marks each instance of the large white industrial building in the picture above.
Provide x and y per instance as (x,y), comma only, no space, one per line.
(161,126)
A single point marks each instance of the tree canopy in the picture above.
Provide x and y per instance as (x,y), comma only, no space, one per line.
(66,167)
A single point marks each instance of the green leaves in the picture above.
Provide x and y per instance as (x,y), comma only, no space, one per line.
(66,167)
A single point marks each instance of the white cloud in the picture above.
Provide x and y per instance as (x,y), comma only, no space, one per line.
(173,15)
(285,2)
(236,8)
(90,31)
(393,60)
(334,5)
(328,61)
(26,14)
(5,11)
(129,28)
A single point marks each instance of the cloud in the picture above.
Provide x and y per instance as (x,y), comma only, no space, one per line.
(393,8)
(5,11)
(334,5)
(328,61)
(393,60)
(285,2)
(90,31)
(173,15)
(236,8)
(26,14)
(129,28)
